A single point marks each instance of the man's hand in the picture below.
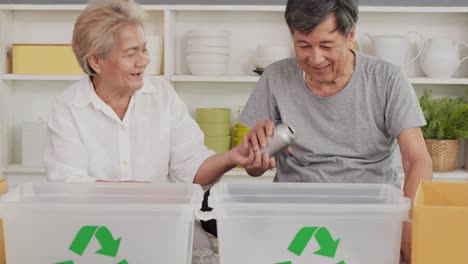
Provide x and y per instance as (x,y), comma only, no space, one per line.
(406,242)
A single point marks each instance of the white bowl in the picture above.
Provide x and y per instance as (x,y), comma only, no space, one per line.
(209,42)
(273,52)
(204,49)
(208,33)
(208,68)
(262,63)
(206,57)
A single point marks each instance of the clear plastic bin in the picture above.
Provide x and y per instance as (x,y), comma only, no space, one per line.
(293,223)
(100,223)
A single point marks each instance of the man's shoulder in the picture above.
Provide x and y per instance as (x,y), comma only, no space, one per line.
(375,65)
(288,64)
(285,69)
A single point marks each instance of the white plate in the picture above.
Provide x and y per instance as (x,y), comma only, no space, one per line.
(208,33)
(204,49)
(206,57)
(209,42)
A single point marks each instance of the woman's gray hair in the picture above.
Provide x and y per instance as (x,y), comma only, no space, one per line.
(304,16)
(96,27)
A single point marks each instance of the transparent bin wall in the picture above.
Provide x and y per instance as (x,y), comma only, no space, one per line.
(154,223)
(257,224)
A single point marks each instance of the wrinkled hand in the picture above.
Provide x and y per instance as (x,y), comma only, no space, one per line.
(242,155)
(259,134)
(257,139)
(406,242)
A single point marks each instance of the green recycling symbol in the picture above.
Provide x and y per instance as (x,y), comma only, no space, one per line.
(109,245)
(328,246)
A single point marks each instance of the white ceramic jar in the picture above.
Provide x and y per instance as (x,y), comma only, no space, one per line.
(441,57)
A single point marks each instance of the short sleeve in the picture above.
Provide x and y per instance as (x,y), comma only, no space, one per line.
(402,109)
(261,104)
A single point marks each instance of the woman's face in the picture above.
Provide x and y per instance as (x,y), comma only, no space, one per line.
(123,67)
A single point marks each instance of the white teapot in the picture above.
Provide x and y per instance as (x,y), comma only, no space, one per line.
(441,57)
(394,48)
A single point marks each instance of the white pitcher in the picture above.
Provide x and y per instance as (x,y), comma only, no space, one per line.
(441,57)
(395,48)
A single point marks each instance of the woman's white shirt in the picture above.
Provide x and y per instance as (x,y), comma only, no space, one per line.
(156,141)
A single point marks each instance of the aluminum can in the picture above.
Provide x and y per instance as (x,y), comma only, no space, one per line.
(283,136)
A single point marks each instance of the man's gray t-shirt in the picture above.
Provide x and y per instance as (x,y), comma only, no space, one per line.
(348,137)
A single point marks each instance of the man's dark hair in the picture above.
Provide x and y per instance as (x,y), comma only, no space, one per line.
(304,16)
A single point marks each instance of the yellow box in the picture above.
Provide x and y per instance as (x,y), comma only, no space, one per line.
(56,59)
(440,223)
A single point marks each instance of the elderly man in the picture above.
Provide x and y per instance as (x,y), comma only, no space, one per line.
(348,109)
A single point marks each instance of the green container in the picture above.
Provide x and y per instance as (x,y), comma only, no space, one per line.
(213,115)
(215,129)
(218,144)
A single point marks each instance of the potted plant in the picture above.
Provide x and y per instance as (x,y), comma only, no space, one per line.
(447,121)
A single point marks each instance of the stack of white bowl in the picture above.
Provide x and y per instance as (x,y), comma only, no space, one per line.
(267,54)
(208,52)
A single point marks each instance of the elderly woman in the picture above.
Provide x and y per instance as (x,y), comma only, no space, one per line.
(116,125)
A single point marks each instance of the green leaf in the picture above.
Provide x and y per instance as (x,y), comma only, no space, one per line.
(447,118)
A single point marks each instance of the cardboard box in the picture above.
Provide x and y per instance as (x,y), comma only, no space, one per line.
(440,223)
(3,190)
(44,59)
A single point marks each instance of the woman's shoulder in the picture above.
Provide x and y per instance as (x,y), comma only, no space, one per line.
(158,85)
(75,94)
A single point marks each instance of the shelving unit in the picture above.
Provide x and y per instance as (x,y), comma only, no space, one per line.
(28,97)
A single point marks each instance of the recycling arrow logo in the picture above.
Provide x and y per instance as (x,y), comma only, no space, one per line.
(109,245)
(328,246)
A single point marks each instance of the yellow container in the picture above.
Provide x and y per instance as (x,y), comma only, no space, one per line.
(215,129)
(440,223)
(241,130)
(44,59)
(213,115)
(3,190)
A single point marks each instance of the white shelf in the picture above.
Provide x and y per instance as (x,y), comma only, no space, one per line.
(27,7)
(267,8)
(31,77)
(414,9)
(251,78)
(280,8)
(424,80)
(19,168)
(457,175)
(52,7)
(26,77)
(225,78)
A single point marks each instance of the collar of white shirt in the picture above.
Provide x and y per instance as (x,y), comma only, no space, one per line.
(87,96)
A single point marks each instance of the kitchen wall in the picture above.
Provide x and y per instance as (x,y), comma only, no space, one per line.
(254,2)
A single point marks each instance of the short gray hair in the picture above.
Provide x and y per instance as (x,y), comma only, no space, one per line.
(304,16)
(96,27)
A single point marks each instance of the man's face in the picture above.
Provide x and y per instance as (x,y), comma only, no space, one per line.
(323,53)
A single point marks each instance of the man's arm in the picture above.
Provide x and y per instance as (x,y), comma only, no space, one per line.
(417,163)
(417,166)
